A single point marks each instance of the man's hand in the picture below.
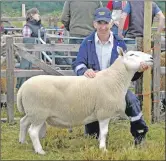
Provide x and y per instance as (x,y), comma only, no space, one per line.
(143,67)
(90,73)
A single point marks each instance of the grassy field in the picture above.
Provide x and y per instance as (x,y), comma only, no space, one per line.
(62,145)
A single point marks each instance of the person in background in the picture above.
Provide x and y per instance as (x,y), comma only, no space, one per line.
(30,30)
(97,52)
(116,8)
(77,17)
(136,21)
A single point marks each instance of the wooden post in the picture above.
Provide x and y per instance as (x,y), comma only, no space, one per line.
(156,78)
(147,103)
(10,78)
(23,13)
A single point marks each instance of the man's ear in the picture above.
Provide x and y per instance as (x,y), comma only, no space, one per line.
(120,51)
(95,24)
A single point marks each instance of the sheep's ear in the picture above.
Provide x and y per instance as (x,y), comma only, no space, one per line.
(120,51)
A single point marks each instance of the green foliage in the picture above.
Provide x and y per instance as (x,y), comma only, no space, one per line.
(14,8)
(161,4)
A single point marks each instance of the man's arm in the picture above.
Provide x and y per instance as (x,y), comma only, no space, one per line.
(80,64)
(161,23)
(26,32)
(65,18)
(158,13)
(125,12)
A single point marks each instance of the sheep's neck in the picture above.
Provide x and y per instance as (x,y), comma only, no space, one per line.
(118,77)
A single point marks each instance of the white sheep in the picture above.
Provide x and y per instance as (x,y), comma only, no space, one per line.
(66,101)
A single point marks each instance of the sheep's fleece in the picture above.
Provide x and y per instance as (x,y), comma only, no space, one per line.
(67,101)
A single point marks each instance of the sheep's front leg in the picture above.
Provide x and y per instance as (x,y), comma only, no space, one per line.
(103,124)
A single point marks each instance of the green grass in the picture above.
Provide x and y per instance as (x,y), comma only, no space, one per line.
(62,145)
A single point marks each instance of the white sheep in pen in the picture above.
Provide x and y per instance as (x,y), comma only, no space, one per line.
(66,101)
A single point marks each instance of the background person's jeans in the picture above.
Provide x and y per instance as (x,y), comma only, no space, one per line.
(74,41)
(24,64)
(114,29)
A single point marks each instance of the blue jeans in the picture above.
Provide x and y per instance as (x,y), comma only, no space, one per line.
(75,41)
(114,29)
(133,110)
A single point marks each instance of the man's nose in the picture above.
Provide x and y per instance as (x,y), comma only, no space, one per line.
(103,26)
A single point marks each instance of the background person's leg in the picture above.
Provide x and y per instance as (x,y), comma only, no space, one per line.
(24,64)
(75,41)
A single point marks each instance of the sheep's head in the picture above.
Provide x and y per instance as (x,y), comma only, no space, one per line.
(133,59)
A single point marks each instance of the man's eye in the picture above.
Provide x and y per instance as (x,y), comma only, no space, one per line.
(102,22)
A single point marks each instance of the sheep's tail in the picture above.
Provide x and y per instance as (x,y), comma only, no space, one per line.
(19,101)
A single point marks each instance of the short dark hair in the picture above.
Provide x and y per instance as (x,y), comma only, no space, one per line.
(31,12)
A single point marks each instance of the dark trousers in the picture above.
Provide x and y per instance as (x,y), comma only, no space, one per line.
(24,64)
(133,110)
(74,41)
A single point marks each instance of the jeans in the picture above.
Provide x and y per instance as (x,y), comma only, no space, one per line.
(114,29)
(75,41)
(132,110)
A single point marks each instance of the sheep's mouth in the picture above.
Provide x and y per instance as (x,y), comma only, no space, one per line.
(151,61)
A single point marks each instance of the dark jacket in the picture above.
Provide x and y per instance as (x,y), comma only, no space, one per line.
(35,26)
(87,57)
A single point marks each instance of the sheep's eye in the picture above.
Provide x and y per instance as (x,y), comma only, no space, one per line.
(131,54)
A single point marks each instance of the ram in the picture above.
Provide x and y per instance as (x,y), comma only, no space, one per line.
(67,101)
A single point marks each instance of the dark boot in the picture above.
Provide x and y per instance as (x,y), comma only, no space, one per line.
(92,129)
(138,129)
(133,110)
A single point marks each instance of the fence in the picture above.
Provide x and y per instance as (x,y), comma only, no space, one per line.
(43,68)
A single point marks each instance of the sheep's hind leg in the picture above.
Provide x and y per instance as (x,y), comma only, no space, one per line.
(103,124)
(34,135)
(24,123)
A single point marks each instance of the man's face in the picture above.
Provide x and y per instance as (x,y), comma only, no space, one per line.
(36,16)
(102,27)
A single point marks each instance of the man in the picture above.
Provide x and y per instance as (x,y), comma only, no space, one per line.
(77,17)
(97,52)
(136,21)
(116,8)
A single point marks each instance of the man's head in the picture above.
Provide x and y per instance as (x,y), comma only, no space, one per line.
(32,13)
(102,20)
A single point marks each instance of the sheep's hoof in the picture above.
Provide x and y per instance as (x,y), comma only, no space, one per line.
(42,152)
(104,150)
(23,142)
